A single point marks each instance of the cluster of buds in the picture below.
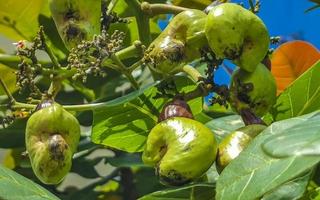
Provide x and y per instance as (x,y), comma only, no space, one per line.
(107,19)
(222,91)
(29,70)
(88,56)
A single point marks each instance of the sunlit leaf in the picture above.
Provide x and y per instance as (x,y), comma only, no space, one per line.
(13,186)
(124,123)
(19,18)
(291,60)
(195,192)
(254,173)
(302,97)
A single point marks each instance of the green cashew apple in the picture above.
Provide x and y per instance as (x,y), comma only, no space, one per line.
(232,145)
(52,137)
(170,51)
(181,149)
(255,91)
(76,20)
(236,33)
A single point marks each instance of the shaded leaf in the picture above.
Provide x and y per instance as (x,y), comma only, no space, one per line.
(199,191)
(124,123)
(13,135)
(254,173)
(126,160)
(86,167)
(13,186)
(302,97)
(291,60)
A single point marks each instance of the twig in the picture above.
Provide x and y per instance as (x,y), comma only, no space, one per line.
(157,9)
(7,91)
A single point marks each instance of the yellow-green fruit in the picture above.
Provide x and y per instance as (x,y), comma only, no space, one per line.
(76,20)
(52,136)
(235,33)
(170,51)
(255,90)
(232,145)
(181,149)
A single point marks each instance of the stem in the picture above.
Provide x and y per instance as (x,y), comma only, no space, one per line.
(135,50)
(201,91)
(142,21)
(123,69)
(157,9)
(192,72)
(199,39)
(47,49)
(135,66)
(13,61)
(7,91)
(251,5)
(54,88)
(82,107)
(127,181)
(111,6)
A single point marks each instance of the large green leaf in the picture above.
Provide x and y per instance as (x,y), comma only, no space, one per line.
(199,191)
(291,190)
(301,141)
(254,173)
(124,123)
(13,186)
(19,18)
(302,97)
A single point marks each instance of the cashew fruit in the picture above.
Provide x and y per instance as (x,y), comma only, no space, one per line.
(236,33)
(76,20)
(175,108)
(52,137)
(181,150)
(170,51)
(232,145)
(255,91)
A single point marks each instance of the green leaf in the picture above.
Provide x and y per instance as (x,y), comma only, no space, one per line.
(19,18)
(254,173)
(199,191)
(291,190)
(302,97)
(224,125)
(13,186)
(124,123)
(304,140)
